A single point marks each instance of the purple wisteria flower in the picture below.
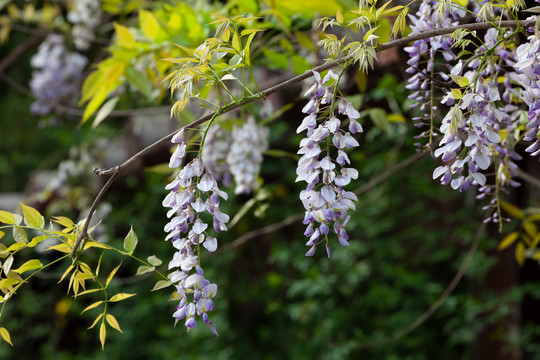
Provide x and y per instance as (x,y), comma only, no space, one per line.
(193,201)
(246,155)
(214,153)
(325,200)
(56,76)
(85,15)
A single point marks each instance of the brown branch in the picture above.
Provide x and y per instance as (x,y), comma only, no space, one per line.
(446,293)
(44,33)
(527,177)
(288,83)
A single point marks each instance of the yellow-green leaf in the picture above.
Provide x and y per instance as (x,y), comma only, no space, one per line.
(508,240)
(456,94)
(530,228)
(512,210)
(95,321)
(29,265)
(19,234)
(161,284)
(236,42)
(5,283)
(112,274)
(339,16)
(144,269)
(15,247)
(36,240)
(7,264)
(7,217)
(125,37)
(113,322)
(102,335)
(154,261)
(5,335)
(32,217)
(120,297)
(68,270)
(520,253)
(61,247)
(104,111)
(64,221)
(88,291)
(89,307)
(130,241)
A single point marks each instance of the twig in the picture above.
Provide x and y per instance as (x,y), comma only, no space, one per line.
(288,83)
(433,308)
(294,218)
(44,32)
(527,177)
(83,233)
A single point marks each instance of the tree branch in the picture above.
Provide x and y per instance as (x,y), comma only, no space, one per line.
(288,83)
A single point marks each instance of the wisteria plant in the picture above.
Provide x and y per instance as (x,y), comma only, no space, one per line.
(474,88)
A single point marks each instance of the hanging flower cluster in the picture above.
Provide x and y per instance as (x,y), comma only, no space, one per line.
(325,200)
(214,153)
(481,126)
(246,155)
(57,75)
(85,15)
(194,196)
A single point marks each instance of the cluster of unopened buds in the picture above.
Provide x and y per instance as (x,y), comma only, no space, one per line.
(325,200)
(194,195)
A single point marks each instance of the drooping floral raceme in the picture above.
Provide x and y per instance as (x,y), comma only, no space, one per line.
(56,76)
(246,155)
(193,203)
(214,153)
(325,200)
(85,15)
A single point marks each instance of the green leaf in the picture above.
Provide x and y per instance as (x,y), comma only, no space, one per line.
(19,234)
(102,335)
(161,284)
(111,275)
(153,260)
(130,241)
(508,240)
(104,111)
(32,217)
(120,297)
(379,118)
(113,322)
(141,82)
(5,335)
(29,265)
(94,305)
(276,60)
(300,64)
(7,217)
(144,269)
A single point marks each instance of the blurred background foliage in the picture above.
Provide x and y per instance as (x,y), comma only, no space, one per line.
(409,237)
